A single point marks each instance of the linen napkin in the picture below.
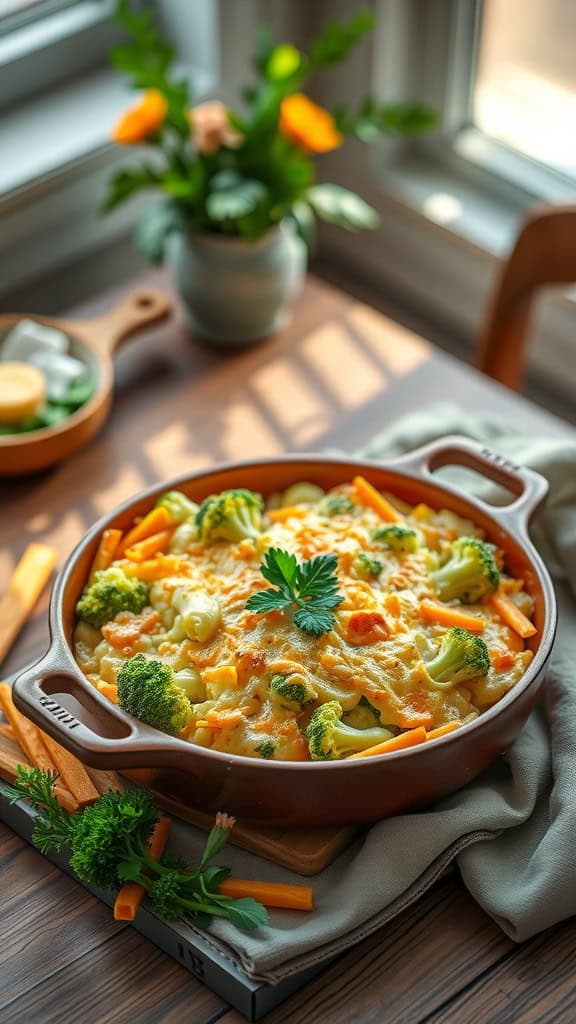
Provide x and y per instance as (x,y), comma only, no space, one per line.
(511,831)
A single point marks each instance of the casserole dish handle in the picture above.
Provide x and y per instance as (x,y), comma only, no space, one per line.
(528,487)
(84,721)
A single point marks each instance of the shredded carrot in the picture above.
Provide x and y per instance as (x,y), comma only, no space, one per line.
(280,515)
(512,615)
(364,627)
(392,604)
(510,586)
(271,894)
(154,568)
(148,547)
(444,616)
(502,660)
(400,742)
(109,690)
(367,495)
(106,552)
(131,894)
(127,628)
(157,519)
(442,730)
(72,772)
(223,719)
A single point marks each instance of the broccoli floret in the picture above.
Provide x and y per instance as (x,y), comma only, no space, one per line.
(470,573)
(399,538)
(231,515)
(112,591)
(178,506)
(363,716)
(329,738)
(148,690)
(336,505)
(265,749)
(462,655)
(367,568)
(293,692)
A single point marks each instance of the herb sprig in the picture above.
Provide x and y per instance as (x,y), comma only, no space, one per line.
(109,846)
(311,587)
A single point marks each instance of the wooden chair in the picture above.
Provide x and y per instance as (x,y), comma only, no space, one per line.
(544,254)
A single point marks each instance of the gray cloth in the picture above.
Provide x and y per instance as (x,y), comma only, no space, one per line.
(511,831)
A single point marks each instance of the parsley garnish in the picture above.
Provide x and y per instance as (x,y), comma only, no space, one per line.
(312,586)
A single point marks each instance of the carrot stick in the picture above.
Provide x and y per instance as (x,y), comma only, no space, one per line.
(7,732)
(149,547)
(444,616)
(157,519)
(72,772)
(280,515)
(107,548)
(153,568)
(27,583)
(271,894)
(131,894)
(27,735)
(109,690)
(442,730)
(369,496)
(400,742)
(512,615)
(9,761)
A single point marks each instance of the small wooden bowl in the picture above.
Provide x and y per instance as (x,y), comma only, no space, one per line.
(94,342)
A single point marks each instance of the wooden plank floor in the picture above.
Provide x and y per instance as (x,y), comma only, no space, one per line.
(336,377)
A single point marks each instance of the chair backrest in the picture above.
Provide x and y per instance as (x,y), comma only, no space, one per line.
(544,254)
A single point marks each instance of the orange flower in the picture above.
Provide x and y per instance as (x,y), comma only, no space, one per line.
(211,128)
(308,125)
(142,120)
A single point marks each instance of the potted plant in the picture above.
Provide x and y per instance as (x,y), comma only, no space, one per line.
(240,191)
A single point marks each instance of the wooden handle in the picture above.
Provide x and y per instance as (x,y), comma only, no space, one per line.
(140,309)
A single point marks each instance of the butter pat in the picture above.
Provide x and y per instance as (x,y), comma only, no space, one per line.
(28,337)
(22,392)
(59,370)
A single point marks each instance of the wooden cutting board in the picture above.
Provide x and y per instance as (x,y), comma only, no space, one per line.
(306,851)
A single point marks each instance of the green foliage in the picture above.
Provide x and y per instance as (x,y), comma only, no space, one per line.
(469,574)
(108,844)
(54,412)
(311,586)
(148,690)
(159,221)
(339,206)
(112,591)
(245,189)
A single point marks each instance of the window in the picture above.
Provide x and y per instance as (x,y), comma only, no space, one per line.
(525,86)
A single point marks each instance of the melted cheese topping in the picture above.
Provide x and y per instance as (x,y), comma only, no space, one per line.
(378,656)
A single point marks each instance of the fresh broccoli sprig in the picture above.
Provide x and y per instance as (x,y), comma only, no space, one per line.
(291,691)
(329,738)
(398,538)
(108,844)
(178,506)
(148,690)
(336,505)
(266,749)
(231,515)
(367,568)
(470,573)
(112,591)
(461,656)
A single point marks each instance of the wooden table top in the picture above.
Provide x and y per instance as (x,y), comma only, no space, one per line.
(339,374)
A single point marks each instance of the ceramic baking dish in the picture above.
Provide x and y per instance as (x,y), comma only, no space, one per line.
(56,696)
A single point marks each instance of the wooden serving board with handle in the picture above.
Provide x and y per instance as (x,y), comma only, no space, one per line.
(305,851)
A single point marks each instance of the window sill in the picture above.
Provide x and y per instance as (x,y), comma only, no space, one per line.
(446,226)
